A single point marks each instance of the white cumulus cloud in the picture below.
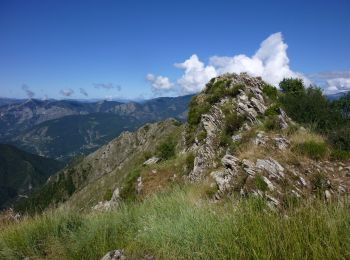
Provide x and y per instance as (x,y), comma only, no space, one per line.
(196,74)
(159,83)
(270,62)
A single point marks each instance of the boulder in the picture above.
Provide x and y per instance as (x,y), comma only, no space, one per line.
(114,255)
(151,160)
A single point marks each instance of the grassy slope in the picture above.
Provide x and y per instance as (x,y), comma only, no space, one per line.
(181,224)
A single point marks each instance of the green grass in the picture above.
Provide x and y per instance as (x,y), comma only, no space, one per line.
(179,225)
(314,150)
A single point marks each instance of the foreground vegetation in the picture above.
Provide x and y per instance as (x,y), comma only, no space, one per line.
(183,224)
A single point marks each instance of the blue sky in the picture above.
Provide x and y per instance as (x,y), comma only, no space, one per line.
(100,49)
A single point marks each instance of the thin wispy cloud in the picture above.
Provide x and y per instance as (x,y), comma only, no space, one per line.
(332,81)
(107,86)
(28,91)
(270,62)
(83,92)
(67,92)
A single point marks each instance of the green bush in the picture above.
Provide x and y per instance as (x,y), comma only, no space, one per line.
(196,110)
(270,91)
(312,149)
(166,149)
(292,86)
(272,110)
(340,138)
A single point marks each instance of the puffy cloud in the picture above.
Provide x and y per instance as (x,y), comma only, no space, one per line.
(83,92)
(107,86)
(26,89)
(196,74)
(159,83)
(66,92)
(270,62)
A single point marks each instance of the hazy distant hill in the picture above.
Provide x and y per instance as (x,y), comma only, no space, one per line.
(22,172)
(62,129)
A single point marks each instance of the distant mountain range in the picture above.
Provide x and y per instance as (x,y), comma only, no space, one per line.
(21,172)
(62,129)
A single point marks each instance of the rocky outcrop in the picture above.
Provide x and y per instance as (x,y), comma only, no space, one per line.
(108,205)
(249,103)
(152,160)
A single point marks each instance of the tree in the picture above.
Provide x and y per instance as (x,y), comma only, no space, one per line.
(294,86)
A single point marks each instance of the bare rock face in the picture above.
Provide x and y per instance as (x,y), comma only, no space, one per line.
(272,167)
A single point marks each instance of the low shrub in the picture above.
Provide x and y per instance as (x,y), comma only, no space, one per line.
(272,110)
(314,150)
(340,155)
(271,123)
(270,91)
(202,135)
(166,149)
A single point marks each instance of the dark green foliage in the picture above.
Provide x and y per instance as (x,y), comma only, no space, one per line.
(343,105)
(311,108)
(270,91)
(202,135)
(272,110)
(340,155)
(340,137)
(128,188)
(233,122)
(260,183)
(166,149)
(292,86)
(312,149)
(195,111)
